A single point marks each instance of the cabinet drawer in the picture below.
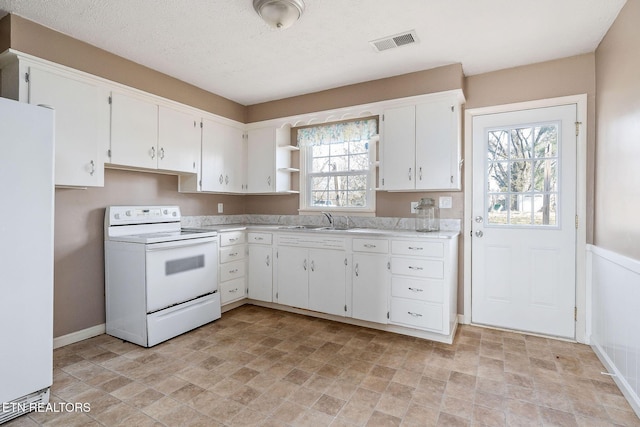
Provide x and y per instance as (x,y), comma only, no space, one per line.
(423,290)
(231,290)
(232,270)
(417,267)
(378,246)
(262,238)
(416,313)
(231,253)
(417,248)
(232,238)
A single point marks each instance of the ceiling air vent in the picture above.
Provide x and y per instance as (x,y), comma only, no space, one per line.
(392,42)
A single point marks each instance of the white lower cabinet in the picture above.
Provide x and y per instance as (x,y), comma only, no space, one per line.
(371,280)
(423,278)
(312,273)
(328,281)
(293,277)
(260,271)
(232,268)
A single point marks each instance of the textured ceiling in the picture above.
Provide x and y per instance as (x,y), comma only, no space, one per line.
(222,45)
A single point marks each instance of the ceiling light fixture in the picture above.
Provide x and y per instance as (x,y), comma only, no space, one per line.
(279,13)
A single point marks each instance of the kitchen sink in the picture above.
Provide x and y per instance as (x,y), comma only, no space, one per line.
(299,227)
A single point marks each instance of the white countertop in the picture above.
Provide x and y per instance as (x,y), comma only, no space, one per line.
(353,232)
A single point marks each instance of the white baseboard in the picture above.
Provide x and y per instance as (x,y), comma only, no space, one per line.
(77,336)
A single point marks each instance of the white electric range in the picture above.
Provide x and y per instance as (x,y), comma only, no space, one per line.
(160,279)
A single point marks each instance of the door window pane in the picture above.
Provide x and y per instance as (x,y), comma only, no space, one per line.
(522,175)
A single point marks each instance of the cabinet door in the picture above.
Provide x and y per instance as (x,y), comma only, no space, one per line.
(437,145)
(327,281)
(293,277)
(134,132)
(213,153)
(234,159)
(178,141)
(371,279)
(81,125)
(261,160)
(260,273)
(398,148)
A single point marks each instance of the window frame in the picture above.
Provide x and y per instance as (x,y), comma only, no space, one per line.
(306,159)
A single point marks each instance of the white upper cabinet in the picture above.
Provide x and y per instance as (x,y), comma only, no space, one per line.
(81,119)
(134,132)
(178,140)
(223,153)
(421,146)
(269,160)
(151,136)
(398,144)
(438,145)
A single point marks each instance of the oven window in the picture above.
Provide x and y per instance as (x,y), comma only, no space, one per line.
(183,264)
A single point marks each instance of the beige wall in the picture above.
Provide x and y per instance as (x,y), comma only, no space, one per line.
(435,80)
(79,237)
(569,76)
(617,189)
(79,283)
(34,39)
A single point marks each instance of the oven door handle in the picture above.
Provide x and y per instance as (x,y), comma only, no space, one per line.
(162,246)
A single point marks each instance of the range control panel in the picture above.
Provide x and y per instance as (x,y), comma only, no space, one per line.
(127,215)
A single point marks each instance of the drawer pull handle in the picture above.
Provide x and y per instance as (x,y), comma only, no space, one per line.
(268,260)
(233,290)
(259,238)
(369,245)
(414,314)
(234,254)
(233,239)
(235,270)
(415,268)
(416,289)
(415,248)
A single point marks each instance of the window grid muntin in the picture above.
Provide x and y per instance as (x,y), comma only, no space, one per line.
(505,157)
(354,149)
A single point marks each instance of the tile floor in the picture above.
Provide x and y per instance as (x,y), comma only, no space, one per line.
(262,367)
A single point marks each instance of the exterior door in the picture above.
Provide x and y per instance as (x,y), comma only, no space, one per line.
(524,207)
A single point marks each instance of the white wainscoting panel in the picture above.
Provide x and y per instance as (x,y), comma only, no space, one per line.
(615,334)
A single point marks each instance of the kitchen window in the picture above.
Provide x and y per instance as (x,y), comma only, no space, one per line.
(337,166)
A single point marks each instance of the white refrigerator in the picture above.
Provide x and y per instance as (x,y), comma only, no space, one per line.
(26,256)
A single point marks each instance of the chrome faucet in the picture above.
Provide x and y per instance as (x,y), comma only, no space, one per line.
(329,218)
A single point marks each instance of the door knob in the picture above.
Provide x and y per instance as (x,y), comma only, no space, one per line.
(479,233)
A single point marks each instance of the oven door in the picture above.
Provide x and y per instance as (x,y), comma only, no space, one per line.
(179,271)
